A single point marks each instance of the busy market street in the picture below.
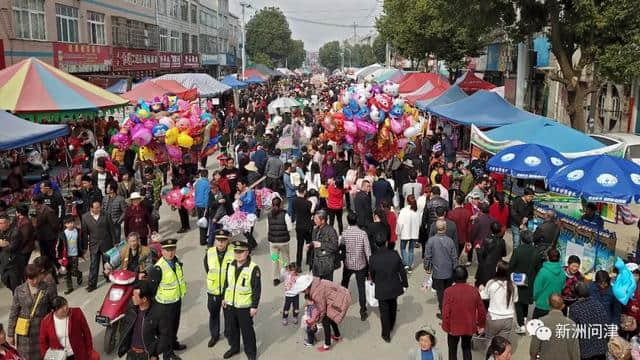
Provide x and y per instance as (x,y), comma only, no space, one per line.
(286,179)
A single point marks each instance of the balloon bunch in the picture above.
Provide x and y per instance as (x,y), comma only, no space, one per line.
(165,128)
(373,120)
(184,197)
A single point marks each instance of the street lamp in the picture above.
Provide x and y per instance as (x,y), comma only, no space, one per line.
(244,42)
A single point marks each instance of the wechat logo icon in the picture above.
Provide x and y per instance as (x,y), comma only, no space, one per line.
(536,328)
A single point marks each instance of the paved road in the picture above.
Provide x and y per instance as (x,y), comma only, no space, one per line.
(361,339)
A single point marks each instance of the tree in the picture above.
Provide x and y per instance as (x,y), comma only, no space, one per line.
(420,27)
(380,49)
(586,36)
(296,54)
(268,33)
(329,55)
(262,58)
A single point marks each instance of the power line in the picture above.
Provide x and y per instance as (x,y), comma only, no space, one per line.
(330,24)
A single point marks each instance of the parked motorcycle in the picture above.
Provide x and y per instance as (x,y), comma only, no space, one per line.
(115,305)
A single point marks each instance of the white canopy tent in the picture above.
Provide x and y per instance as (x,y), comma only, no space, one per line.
(206,85)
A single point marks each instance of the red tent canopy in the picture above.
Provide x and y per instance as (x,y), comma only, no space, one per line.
(157,88)
(253,72)
(414,81)
(433,93)
(470,83)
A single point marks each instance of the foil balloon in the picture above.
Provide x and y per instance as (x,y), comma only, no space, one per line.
(366,127)
(184,140)
(350,128)
(174,198)
(140,135)
(348,113)
(167,121)
(384,102)
(349,139)
(149,124)
(374,114)
(171,136)
(183,124)
(411,131)
(396,126)
(189,203)
(174,152)
(146,154)
(402,142)
(159,130)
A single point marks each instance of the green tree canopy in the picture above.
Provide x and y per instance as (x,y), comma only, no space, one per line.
(262,58)
(587,36)
(380,49)
(296,55)
(268,33)
(329,55)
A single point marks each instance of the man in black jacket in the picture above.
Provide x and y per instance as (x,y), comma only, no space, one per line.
(97,230)
(304,223)
(12,263)
(362,204)
(389,276)
(382,189)
(429,215)
(546,234)
(88,194)
(521,211)
(140,329)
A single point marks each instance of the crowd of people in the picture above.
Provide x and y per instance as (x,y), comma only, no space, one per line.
(428,199)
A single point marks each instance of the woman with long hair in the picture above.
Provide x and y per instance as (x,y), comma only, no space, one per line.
(279,223)
(392,220)
(408,230)
(502,294)
(312,177)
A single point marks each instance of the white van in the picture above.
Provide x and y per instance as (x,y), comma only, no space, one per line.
(631,143)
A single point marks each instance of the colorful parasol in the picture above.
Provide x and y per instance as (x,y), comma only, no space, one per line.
(34,86)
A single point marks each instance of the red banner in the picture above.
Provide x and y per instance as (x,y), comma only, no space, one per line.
(190,60)
(2,61)
(76,58)
(169,60)
(134,59)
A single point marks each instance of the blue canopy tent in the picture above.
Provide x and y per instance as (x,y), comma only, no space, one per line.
(545,132)
(483,109)
(254,80)
(233,82)
(18,132)
(452,95)
(120,87)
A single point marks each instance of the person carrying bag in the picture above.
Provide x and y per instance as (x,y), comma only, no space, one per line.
(23,324)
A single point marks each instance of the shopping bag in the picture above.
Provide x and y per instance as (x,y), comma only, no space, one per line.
(203,223)
(113,254)
(370,292)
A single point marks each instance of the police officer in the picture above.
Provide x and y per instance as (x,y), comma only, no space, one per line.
(216,262)
(170,287)
(241,298)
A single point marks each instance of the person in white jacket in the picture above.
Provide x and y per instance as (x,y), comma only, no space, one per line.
(408,230)
(502,294)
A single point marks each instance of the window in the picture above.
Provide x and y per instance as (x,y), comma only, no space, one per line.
(173,8)
(96,28)
(134,34)
(194,44)
(185,42)
(29,17)
(184,10)
(164,40)
(67,23)
(203,18)
(194,14)
(145,3)
(162,7)
(174,41)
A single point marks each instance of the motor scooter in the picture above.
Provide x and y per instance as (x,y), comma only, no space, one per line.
(115,305)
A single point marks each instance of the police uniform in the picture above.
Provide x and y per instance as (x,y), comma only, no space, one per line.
(242,293)
(168,280)
(215,265)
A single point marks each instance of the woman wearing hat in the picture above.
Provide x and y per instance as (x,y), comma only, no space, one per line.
(137,218)
(426,338)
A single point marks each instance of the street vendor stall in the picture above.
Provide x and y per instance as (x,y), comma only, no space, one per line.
(37,91)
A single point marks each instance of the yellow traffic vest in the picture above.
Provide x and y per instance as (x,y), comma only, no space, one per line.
(217,272)
(238,292)
(172,287)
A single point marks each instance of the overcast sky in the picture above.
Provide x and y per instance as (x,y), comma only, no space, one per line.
(339,12)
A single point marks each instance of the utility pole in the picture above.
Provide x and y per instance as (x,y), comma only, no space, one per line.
(355,37)
(244,38)
(387,56)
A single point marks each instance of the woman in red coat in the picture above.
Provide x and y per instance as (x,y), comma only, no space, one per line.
(7,351)
(500,211)
(66,329)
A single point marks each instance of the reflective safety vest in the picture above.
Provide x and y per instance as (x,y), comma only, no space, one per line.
(238,292)
(172,287)
(217,272)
